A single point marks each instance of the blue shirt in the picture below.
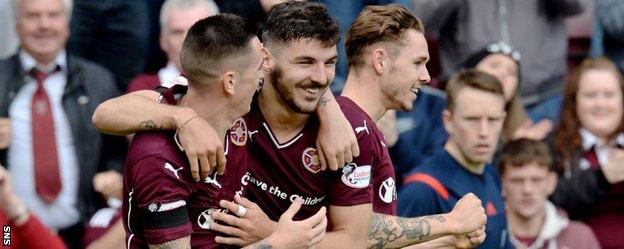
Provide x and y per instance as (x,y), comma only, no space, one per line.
(435,187)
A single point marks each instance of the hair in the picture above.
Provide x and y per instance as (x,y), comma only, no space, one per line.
(68,4)
(185,4)
(210,42)
(377,24)
(567,137)
(294,20)
(520,152)
(474,79)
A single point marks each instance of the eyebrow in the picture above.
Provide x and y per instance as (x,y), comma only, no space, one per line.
(306,57)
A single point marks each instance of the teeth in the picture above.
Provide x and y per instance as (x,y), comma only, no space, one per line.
(313,90)
(414,90)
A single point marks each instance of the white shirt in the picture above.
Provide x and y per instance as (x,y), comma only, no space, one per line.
(63,212)
(601,148)
(167,74)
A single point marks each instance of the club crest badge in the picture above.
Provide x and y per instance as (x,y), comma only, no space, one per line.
(356,176)
(310,160)
(238,132)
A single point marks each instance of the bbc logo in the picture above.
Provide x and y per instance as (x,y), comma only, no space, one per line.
(6,235)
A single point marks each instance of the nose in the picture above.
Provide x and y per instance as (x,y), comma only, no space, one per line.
(424,77)
(483,127)
(527,186)
(318,74)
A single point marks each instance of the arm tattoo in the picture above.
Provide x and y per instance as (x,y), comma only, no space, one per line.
(385,230)
(264,246)
(323,101)
(150,125)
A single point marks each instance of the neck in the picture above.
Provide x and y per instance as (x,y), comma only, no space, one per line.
(453,149)
(363,89)
(283,120)
(525,227)
(210,107)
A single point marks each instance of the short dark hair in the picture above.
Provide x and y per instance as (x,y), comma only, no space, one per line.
(474,79)
(294,20)
(523,151)
(212,40)
(378,24)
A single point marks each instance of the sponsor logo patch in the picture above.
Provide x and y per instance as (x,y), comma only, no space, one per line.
(238,132)
(356,176)
(310,160)
(387,190)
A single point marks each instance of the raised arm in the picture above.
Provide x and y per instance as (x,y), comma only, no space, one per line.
(336,143)
(388,231)
(140,111)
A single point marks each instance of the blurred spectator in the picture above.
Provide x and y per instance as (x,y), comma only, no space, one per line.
(8,40)
(502,61)
(26,230)
(52,148)
(588,150)
(535,27)
(534,222)
(473,119)
(609,31)
(112,33)
(176,18)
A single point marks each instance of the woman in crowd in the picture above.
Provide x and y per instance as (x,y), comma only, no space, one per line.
(588,150)
(502,61)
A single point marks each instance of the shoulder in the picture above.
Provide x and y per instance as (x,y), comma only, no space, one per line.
(351,110)
(578,234)
(146,144)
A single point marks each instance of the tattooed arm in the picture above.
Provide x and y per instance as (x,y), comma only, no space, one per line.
(181,243)
(138,111)
(388,231)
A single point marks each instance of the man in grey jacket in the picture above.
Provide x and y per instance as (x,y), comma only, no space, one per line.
(536,28)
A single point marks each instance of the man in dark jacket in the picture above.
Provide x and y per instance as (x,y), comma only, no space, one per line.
(47,142)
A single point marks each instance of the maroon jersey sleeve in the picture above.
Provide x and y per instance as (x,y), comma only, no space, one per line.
(143,82)
(159,192)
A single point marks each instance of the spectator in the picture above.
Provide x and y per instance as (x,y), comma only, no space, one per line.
(534,222)
(535,27)
(176,18)
(113,34)
(502,61)
(52,148)
(27,232)
(609,31)
(588,150)
(473,119)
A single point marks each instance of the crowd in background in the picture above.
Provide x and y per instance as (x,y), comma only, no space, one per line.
(559,150)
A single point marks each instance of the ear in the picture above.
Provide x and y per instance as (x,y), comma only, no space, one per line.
(269,58)
(552,182)
(378,59)
(447,119)
(228,82)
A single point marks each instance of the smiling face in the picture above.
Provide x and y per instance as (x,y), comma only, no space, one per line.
(408,72)
(302,72)
(599,102)
(504,69)
(526,188)
(43,28)
(475,124)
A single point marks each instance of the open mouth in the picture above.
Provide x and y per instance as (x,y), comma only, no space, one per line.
(312,90)
(414,89)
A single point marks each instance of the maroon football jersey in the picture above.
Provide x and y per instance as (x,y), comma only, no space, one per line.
(281,172)
(372,142)
(158,182)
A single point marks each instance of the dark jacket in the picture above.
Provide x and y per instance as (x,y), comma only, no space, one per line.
(96,152)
